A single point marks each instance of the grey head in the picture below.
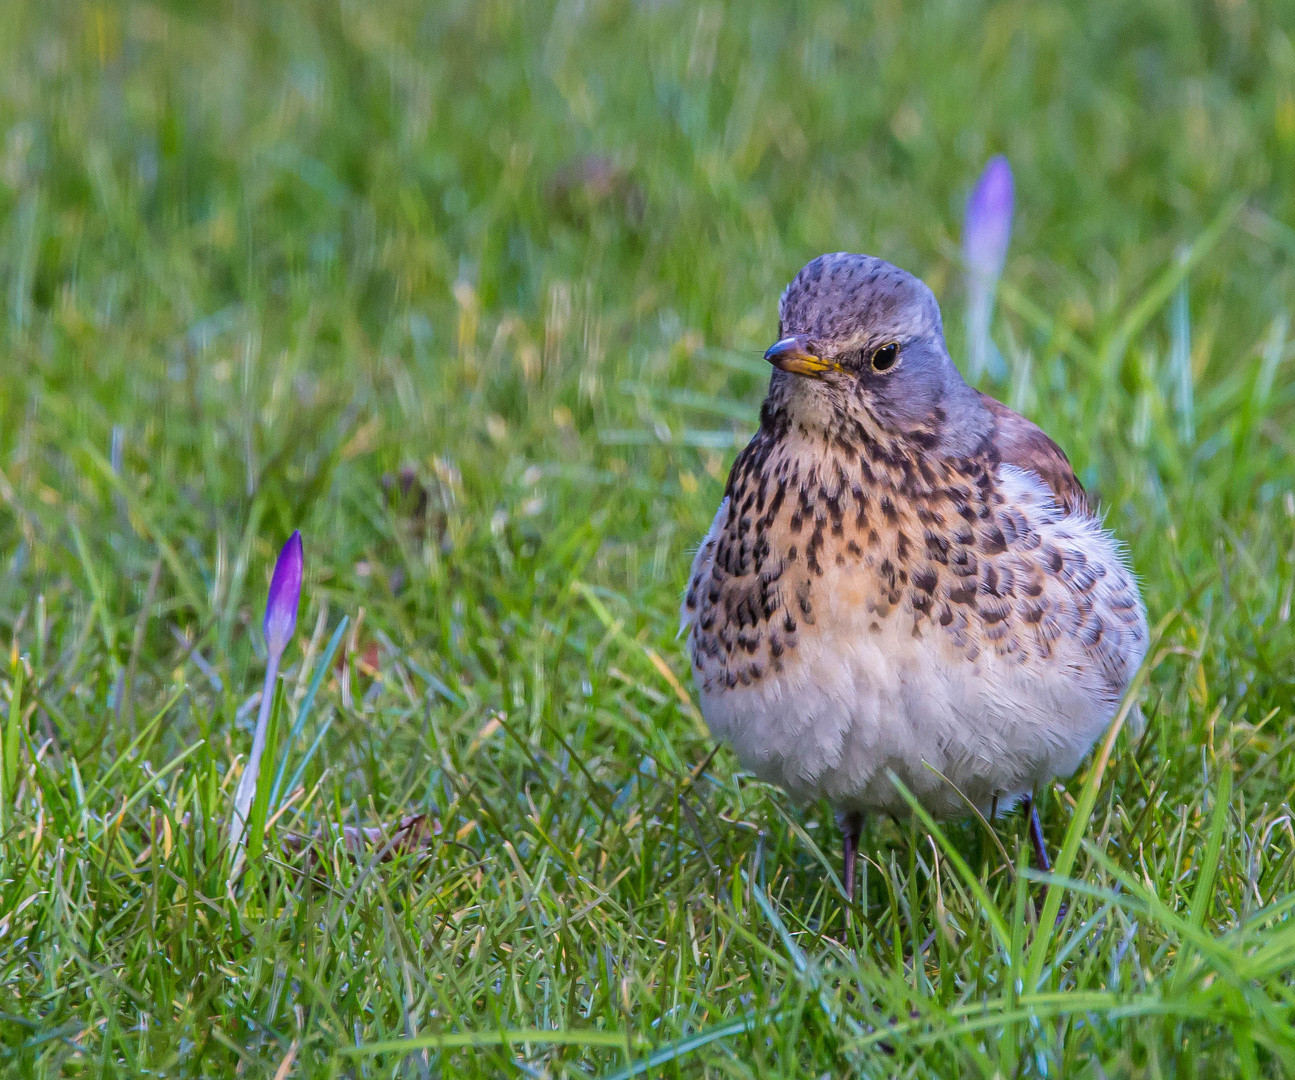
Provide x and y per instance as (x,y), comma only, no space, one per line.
(861,341)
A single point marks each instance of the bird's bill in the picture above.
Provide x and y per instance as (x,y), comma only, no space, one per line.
(792,354)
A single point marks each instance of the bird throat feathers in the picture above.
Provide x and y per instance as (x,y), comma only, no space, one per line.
(840,426)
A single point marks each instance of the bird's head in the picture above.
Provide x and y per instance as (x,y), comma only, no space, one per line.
(862,340)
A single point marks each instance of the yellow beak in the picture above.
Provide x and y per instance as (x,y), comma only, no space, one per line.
(792,354)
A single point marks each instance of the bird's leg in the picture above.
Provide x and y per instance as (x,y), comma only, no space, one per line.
(1042,862)
(851,823)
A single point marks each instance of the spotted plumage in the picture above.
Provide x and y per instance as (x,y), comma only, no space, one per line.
(903,572)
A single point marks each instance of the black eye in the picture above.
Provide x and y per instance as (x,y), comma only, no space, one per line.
(884,358)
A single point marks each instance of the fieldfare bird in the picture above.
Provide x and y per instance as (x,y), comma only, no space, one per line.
(903,573)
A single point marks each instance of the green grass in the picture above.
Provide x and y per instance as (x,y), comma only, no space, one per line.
(256,258)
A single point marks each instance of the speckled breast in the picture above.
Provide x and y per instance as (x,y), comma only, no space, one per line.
(832,576)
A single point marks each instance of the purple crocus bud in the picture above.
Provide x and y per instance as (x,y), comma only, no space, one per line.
(988,224)
(285,595)
(280,622)
(986,232)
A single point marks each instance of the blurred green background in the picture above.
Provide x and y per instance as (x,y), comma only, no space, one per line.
(475,294)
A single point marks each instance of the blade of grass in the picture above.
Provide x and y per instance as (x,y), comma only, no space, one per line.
(1084,808)
(306,759)
(303,710)
(1203,896)
(96,590)
(13,726)
(681,1048)
(472,1039)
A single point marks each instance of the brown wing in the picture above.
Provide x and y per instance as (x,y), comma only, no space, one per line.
(1022,444)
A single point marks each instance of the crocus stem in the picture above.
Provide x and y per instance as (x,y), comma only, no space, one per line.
(247,782)
(980,305)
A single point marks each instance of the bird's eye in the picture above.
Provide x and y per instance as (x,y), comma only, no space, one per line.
(884,358)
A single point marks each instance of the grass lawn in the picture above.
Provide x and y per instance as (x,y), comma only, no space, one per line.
(475,295)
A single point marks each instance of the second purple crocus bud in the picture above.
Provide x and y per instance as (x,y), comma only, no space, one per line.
(285,595)
(987,228)
(986,233)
